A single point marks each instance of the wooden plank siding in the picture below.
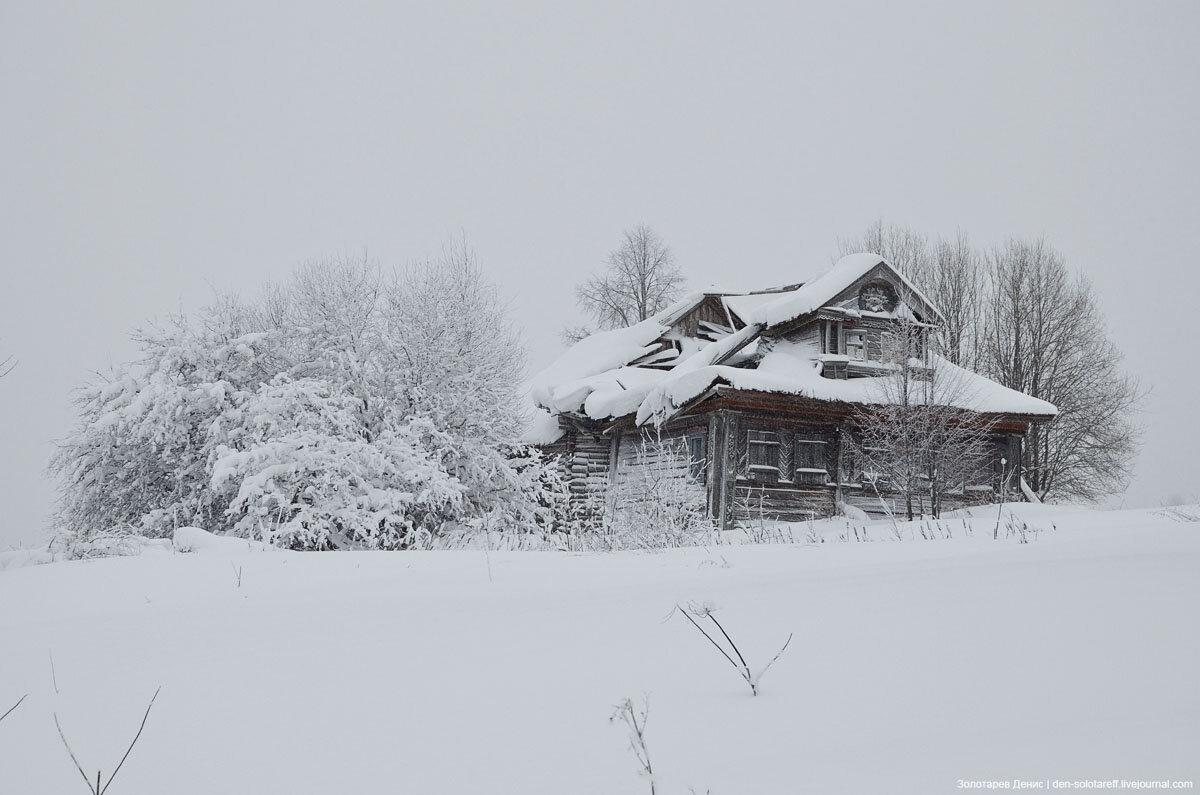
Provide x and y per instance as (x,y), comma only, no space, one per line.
(595,457)
(661,459)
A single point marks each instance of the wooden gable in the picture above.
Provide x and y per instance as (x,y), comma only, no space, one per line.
(707,320)
(884,275)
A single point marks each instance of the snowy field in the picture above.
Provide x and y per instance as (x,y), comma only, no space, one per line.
(915,664)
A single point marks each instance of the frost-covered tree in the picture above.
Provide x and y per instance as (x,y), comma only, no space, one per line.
(348,406)
(139,455)
(299,470)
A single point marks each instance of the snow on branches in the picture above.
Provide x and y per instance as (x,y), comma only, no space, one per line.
(347,407)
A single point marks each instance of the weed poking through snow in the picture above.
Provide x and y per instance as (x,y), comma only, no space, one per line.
(96,789)
(705,611)
(635,720)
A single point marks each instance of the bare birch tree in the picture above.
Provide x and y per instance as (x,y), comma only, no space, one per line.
(641,280)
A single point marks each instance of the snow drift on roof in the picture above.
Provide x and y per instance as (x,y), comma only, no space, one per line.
(791,370)
(604,351)
(819,292)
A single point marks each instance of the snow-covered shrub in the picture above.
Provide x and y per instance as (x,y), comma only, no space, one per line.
(137,462)
(347,407)
(303,472)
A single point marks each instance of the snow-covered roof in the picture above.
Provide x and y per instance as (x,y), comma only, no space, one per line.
(791,369)
(820,291)
(572,373)
(747,306)
(616,373)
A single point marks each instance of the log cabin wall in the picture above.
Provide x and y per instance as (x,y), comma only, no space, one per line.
(708,457)
(583,460)
(782,468)
(861,495)
(673,461)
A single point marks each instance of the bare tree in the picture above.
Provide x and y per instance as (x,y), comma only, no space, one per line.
(1045,336)
(1018,315)
(953,280)
(919,441)
(906,250)
(641,280)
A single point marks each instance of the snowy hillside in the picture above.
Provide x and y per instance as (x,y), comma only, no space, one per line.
(914,664)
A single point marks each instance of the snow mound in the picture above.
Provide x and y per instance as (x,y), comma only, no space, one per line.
(194,539)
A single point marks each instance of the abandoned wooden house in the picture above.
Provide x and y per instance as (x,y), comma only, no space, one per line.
(762,394)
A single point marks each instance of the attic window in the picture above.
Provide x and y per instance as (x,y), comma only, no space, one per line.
(763,450)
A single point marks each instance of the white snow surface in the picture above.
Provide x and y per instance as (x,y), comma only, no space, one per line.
(820,291)
(914,664)
(194,539)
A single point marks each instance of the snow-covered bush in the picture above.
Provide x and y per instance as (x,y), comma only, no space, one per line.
(348,407)
(137,461)
(301,471)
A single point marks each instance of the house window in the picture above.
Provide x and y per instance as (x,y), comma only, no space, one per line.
(832,337)
(697,461)
(856,345)
(763,450)
(811,463)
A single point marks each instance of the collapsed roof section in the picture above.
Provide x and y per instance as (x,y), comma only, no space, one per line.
(745,341)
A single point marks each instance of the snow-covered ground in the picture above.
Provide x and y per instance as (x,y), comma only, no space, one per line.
(915,664)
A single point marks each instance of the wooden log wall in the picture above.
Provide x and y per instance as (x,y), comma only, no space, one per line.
(647,460)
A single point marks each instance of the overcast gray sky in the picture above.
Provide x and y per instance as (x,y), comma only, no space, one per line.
(150,152)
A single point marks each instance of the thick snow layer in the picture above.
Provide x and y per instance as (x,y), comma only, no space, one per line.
(541,427)
(790,369)
(820,291)
(604,351)
(914,664)
(747,307)
(194,539)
